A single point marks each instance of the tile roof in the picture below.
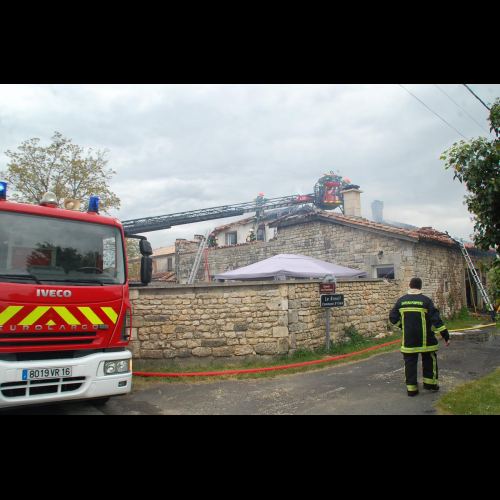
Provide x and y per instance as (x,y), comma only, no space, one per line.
(422,234)
(169,277)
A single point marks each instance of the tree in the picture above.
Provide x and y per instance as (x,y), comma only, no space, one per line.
(63,168)
(477,165)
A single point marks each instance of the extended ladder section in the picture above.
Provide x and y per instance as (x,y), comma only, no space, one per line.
(477,278)
(199,257)
(150,224)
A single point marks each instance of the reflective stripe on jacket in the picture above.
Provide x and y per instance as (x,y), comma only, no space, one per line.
(416,315)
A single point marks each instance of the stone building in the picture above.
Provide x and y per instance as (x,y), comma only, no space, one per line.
(381,250)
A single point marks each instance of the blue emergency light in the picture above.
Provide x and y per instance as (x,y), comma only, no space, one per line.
(3,190)
(94,205)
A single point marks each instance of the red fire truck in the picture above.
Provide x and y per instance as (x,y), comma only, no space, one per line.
(65,313)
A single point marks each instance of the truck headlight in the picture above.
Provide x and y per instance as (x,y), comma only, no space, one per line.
(117,367)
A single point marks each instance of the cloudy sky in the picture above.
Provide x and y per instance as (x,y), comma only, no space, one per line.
(178,147)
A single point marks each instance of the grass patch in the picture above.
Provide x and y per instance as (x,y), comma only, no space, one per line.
(467,322)
(475,398)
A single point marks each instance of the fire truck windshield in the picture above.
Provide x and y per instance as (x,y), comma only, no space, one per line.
(45,249)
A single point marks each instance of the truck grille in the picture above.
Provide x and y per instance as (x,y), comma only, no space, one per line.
(57,339)
(40,387)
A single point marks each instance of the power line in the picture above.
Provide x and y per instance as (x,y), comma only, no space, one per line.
(471,117)
(441,118)
(476,96)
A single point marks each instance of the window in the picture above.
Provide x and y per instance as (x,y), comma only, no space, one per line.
(170,265)
(231,238)
(386,272)
(46,249)
(261,233)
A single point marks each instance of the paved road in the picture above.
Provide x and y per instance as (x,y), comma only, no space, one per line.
(371,387)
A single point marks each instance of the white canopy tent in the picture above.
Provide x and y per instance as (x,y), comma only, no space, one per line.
(284,267)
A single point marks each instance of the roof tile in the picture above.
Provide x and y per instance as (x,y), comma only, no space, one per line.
(423,234)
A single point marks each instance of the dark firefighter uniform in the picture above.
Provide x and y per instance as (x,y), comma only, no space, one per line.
(213,241)
(416,314)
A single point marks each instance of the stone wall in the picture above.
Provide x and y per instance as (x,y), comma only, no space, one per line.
(443,271)
(234,321)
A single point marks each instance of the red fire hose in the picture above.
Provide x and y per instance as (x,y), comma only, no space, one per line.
(287,367)
(258,370)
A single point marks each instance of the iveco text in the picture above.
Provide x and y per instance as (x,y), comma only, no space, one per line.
(54,293)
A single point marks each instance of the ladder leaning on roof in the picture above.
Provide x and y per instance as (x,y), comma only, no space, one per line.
(197,262)
(476,276)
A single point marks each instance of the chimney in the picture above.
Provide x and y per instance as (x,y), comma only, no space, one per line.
(352,202)
(378,211)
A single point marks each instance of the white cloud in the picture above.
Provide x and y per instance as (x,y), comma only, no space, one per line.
(179,147)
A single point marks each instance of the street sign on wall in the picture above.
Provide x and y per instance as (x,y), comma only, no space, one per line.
(332,300)
(327,288)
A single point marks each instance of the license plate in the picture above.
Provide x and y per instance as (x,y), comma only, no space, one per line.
(47,373)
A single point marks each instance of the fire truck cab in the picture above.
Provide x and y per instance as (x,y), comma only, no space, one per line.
(65,313)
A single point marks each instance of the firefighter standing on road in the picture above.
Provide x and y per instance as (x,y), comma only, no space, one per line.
(416,314)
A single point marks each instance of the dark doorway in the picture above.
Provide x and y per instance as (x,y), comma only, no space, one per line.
(471,290)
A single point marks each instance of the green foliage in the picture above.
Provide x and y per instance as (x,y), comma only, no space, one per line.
(352,333)
(451,302)
(477,165)
(463,314)
(494,283)
(63,168)
(459,316)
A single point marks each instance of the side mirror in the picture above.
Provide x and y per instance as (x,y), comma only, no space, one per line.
(146,262)
(146,248)
(146,270)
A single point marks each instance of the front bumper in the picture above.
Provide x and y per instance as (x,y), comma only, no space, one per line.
(87,381)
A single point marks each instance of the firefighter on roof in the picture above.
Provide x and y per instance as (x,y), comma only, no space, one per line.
(213,241)
(251,236)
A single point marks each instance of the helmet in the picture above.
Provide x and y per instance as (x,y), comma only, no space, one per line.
(261,194)
(347,180)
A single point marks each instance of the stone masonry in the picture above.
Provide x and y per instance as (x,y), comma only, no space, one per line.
(233,321)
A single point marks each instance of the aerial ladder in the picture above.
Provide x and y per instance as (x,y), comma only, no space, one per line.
(327,196)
